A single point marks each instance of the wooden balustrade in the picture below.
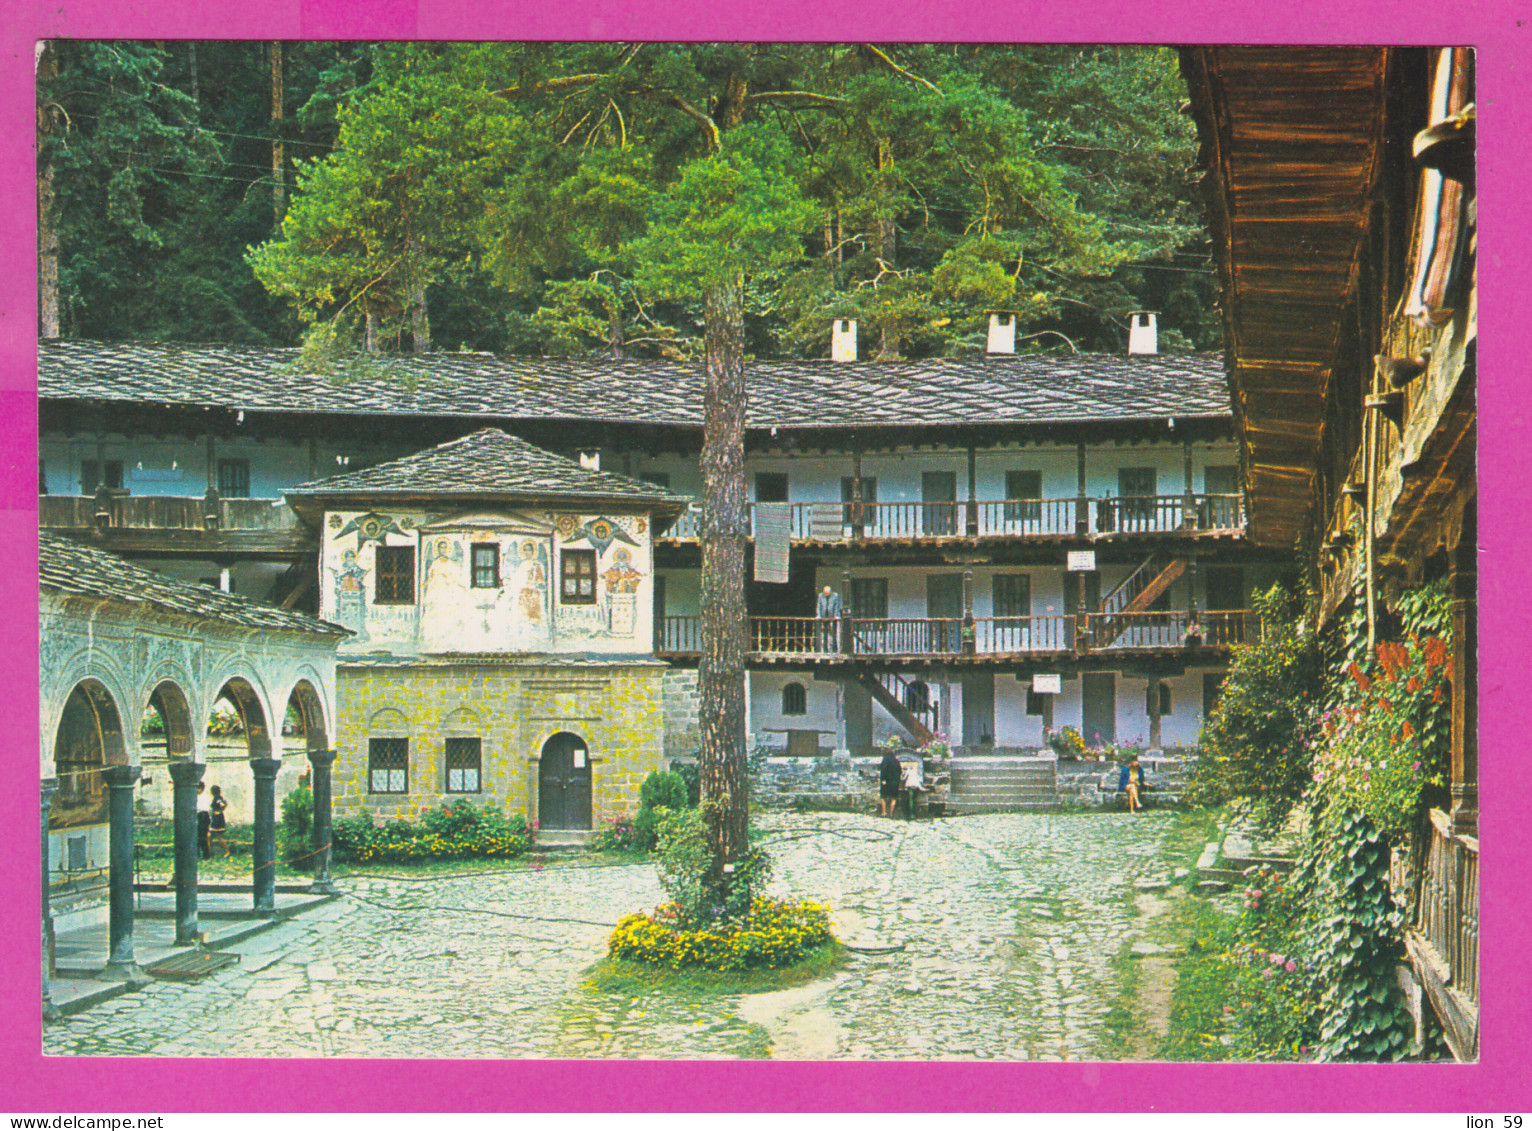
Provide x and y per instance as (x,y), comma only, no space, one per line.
(795,635)
(1447,913)
(165,512)
(1007,635)
(679,635)
(1006,518)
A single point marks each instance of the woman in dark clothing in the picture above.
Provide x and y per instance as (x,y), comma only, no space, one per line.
(890,780)
(217,823)
(204,827)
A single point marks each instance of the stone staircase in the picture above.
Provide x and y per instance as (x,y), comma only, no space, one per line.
(999,784)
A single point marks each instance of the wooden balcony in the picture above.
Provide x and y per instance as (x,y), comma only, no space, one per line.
(174,523)
(952,638)
(829,523)
(1443,940)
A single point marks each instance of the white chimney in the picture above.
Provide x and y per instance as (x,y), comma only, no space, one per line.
(590,461)
(1143,332)
(843,339)
(1002,332)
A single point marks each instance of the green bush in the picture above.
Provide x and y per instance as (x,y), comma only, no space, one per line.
(685,872)
(298,811)
(454,832)
(659,791)
(1257,743)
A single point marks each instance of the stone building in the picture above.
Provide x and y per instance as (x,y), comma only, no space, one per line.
(501,601)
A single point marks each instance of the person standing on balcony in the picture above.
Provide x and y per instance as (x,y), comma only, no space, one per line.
(827,610)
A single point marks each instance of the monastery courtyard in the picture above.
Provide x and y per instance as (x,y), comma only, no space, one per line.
(991,937)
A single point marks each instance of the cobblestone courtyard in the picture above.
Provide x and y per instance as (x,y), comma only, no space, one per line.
(1008,925)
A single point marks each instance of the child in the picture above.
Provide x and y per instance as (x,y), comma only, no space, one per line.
(217,823)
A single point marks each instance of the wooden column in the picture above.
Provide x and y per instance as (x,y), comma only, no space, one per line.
(1465,710)
(1154,712)
(1188,496)
(973,493)
(1082,505)
(856,494)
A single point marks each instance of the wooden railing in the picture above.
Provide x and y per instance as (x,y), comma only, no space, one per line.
(163,512)
(945,636)
(1447,914)
(1001,518)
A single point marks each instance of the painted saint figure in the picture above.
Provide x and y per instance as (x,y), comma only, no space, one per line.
(350,593)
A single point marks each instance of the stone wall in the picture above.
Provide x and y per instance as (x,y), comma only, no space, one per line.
(513,708)
(682,707)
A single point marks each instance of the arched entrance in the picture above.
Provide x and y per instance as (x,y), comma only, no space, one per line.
(563,783)
(305,718)
(89,739)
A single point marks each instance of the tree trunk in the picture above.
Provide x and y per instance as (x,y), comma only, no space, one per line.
(721,671)
(47,215)
(420,320)
(277,162)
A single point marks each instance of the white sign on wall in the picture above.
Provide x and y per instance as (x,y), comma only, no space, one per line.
(1082,560)
(1047,684)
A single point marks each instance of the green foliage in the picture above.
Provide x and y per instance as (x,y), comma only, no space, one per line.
(1388,733)
(298,811)
(1356,934)
(1273,979)
(1258,741)
(661,792)
(455,832)
(685,868)
(770,934)
(1066,743)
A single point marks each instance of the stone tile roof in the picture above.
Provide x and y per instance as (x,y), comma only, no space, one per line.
(74,569)
(1027,388)
(490,462)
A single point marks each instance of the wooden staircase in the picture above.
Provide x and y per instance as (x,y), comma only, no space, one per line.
(1135,594)
(990,784)
(891,691)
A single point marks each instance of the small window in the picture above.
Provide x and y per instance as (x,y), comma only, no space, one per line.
(771,487)
(1164,689)
(1035,700)
(388,765)
(1023,496)
(396,576)
(234,478)
(463,765)
(795,700)
(486,566)
(1013,595)
(869,598)
(96,473)
(577,577)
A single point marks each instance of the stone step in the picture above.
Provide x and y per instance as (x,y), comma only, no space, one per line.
(960,807)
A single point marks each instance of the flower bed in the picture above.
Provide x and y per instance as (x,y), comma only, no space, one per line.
(455,832)
(773,934)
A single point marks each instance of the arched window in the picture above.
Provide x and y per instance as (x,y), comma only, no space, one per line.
(917,697)
(795,700)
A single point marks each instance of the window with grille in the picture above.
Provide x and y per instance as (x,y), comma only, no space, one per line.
(463,765)
(1023,494)
(396,576)
(486,566)
(388,765)
(795,700)
(234,478)
(577,577)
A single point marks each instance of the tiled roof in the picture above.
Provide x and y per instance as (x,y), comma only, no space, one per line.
(1026,388)
(489,462)
(74,569)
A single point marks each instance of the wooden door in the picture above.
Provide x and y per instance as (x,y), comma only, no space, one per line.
(938,491)
(563,783)
(944,601)
(1099,716)
(979,709)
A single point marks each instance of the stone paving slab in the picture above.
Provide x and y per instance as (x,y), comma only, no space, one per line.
(986,937)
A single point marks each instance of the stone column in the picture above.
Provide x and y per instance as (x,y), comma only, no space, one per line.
(185,776)
(264,851)
(121,781)
(319,832)
(50,1011)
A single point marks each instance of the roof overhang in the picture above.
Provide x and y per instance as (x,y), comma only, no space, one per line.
(1291,141)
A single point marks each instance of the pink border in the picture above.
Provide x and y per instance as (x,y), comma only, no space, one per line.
(1495,1085)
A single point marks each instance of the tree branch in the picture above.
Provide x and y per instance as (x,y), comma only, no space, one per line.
(896,68)
(796,98)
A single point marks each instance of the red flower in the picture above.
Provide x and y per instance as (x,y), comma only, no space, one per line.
(1361,680)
